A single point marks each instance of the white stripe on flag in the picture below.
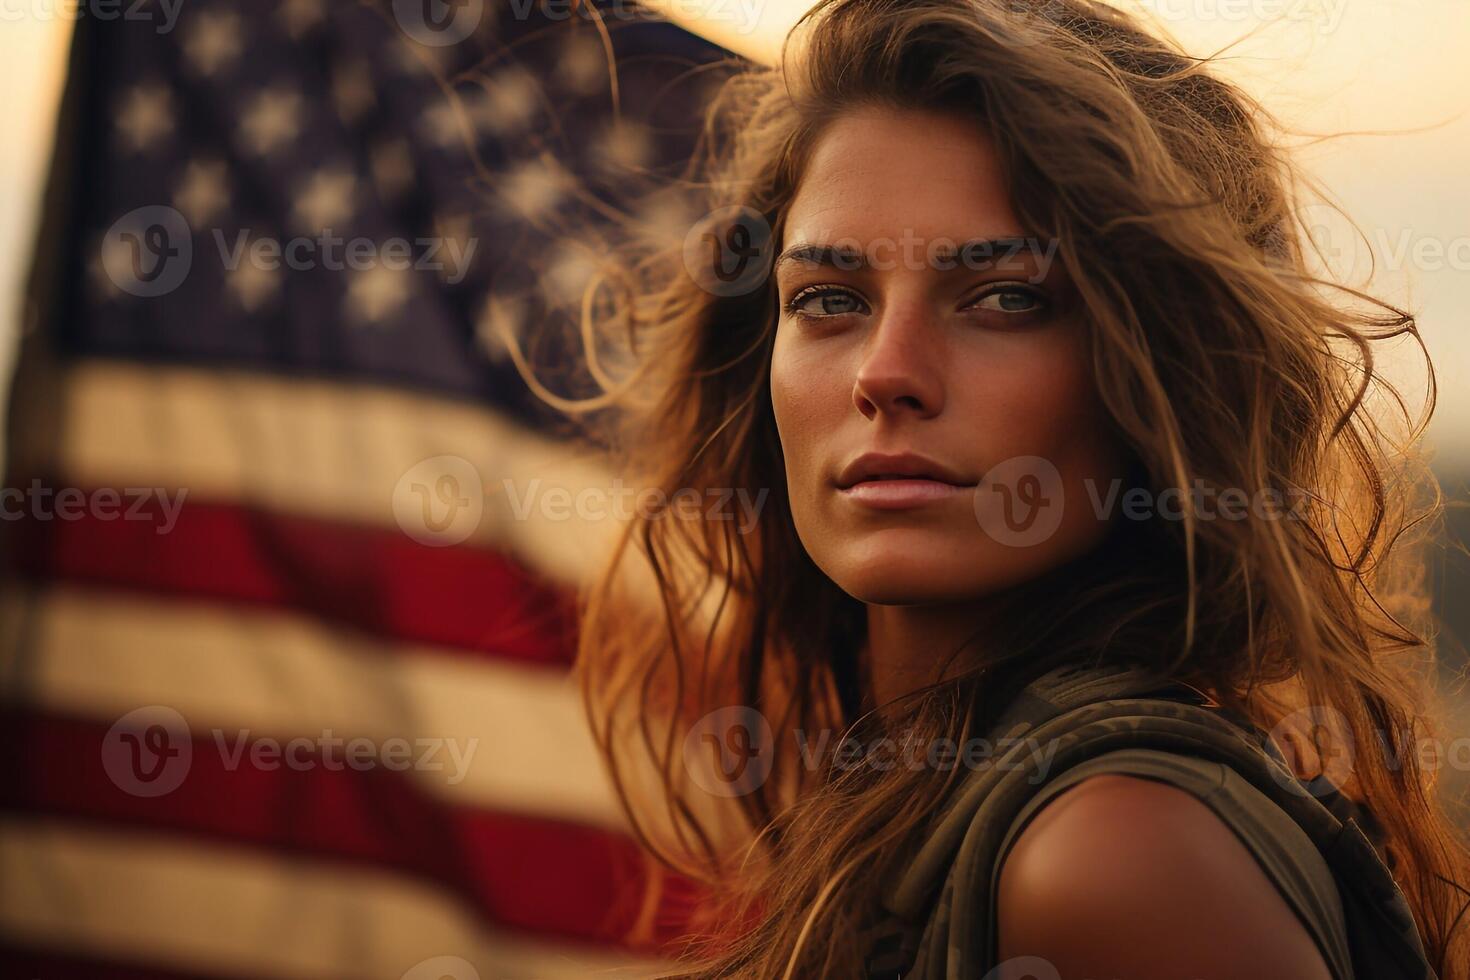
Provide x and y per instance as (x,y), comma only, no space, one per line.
(169,902)
(101,654)
(327,450)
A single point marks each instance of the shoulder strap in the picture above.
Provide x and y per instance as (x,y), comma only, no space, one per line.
(940,923)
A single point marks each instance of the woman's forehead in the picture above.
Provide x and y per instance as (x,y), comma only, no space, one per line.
(878,172)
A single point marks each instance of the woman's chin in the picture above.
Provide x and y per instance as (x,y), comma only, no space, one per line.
(905,579)
(912,566)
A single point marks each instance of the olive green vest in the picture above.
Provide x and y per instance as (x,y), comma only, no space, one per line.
(939,916)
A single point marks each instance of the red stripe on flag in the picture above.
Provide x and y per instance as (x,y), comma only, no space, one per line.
(373,579)
(523,873)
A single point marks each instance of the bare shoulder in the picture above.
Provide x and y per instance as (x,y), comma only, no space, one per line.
(1121,876)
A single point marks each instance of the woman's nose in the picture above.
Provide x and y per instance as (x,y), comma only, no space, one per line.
(901,370)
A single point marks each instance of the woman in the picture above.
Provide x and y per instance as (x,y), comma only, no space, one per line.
(1036,373)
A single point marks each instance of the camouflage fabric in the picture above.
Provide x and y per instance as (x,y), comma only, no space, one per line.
(940,922)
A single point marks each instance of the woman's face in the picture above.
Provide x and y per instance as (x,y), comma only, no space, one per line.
(941,431)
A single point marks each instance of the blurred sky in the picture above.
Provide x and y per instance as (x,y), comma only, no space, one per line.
(1323,66)
(32,67)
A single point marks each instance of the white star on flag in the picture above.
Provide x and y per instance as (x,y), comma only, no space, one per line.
(145,116)
(271,120)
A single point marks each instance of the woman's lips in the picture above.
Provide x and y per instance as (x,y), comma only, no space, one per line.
(901,494)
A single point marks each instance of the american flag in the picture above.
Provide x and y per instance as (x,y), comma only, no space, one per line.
(285,669)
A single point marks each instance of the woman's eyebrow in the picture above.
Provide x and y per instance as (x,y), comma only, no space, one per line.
(981,251)
(973,254)
(811,253)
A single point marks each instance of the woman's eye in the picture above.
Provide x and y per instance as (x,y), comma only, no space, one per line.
(1013,299)
(829,302)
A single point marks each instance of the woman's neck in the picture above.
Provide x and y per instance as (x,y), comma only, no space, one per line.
(909,647)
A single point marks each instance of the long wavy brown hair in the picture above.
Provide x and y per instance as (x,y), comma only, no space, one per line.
(1224,355)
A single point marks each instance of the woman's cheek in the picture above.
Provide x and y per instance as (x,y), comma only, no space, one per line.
(1022,394)
(811,397)
(808,392)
